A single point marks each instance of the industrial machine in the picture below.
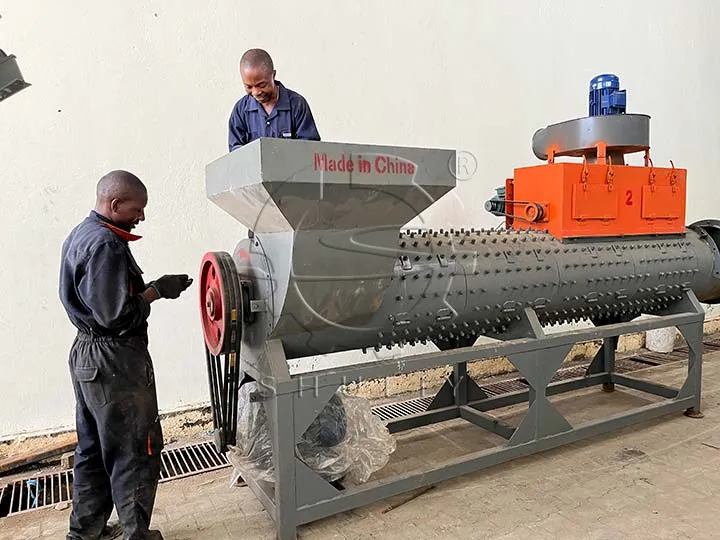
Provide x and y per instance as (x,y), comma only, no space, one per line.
(326,267)
(11,79)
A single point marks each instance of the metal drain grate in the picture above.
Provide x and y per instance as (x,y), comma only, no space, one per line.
(390,411)
(504,387)
(401,409)
(677,355)
(659,359)
(37,492)
(190,460)
(627,365)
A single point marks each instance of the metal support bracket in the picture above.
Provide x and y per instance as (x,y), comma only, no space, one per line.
(301,496)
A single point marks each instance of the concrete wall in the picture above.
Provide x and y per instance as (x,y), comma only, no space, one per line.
(148,86)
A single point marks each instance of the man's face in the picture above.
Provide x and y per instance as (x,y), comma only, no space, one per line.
(259,83)
(128,212)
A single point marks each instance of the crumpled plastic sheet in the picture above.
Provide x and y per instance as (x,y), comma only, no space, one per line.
(346,441)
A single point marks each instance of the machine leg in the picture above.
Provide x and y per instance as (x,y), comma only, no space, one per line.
(609,347)
(461,385)
(542,419)
(282,425)
(604,362)
(693,334)
(457,389)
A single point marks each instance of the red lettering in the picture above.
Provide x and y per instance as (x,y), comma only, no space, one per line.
(628,198)
(387,165)
(321,162)
(380,165)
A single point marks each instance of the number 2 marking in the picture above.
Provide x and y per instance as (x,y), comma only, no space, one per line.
(628,198)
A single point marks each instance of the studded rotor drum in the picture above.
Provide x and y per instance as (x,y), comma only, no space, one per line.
(452,286)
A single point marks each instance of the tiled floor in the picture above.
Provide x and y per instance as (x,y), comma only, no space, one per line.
(659,480)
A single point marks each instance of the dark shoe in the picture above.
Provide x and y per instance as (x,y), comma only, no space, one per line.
(112,531)
(155,535)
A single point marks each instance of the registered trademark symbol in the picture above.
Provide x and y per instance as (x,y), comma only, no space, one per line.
(464,166)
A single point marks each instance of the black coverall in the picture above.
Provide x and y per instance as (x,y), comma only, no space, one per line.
(117,460)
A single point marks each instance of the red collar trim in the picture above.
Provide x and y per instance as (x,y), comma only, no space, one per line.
(129,237)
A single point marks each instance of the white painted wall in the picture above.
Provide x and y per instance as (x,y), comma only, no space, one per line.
(148,85)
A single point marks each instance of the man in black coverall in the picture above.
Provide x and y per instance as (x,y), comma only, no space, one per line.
(117,461)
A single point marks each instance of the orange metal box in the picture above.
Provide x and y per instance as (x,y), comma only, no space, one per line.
(583,199)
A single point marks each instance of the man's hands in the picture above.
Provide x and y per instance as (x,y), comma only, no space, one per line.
(171,285)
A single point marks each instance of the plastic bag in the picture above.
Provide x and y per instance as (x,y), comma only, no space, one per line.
(346,441)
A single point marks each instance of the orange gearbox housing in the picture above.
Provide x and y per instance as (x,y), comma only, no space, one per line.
(572,200)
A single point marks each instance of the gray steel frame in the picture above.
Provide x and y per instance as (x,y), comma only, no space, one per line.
(300,496)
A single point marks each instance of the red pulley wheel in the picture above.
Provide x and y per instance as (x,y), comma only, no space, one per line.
(220,303)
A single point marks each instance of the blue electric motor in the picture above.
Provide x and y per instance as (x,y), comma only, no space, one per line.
(606,96)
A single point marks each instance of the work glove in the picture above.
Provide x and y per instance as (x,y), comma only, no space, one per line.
(171,285)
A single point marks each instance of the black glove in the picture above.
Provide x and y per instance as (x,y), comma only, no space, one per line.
(171,285)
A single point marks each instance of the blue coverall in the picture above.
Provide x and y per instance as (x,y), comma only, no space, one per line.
(291,118)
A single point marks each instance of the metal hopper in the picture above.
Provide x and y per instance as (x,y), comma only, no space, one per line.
(324,221)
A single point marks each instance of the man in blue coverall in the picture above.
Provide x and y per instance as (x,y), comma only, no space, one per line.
(117,460)
(269,109)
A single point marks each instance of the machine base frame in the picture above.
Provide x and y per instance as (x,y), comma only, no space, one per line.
(300,496)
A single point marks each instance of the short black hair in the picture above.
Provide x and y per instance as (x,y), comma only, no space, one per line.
(119,185)
(256,58)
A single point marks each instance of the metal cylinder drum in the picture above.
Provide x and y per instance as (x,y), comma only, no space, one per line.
(452,286)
